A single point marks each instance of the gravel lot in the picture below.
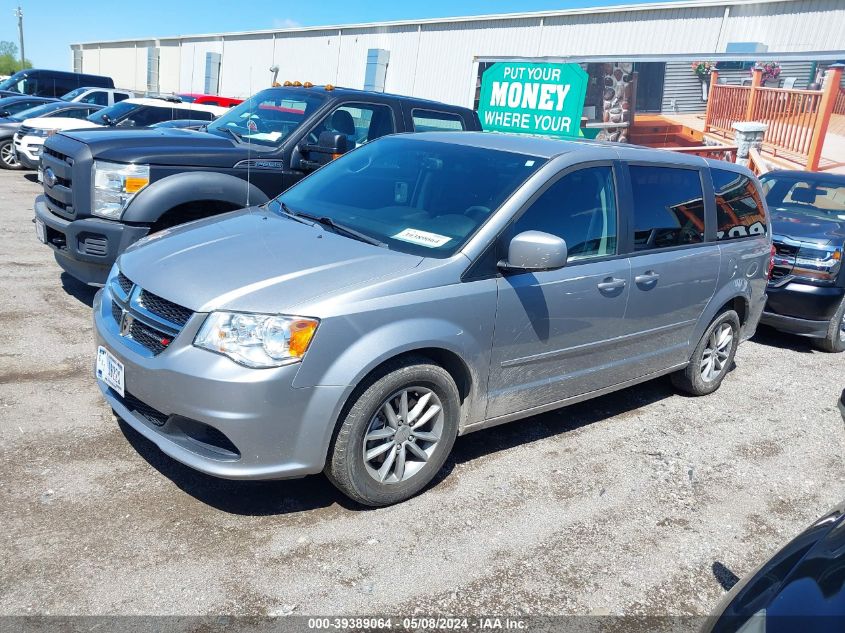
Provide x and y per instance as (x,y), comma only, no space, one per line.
(631,503)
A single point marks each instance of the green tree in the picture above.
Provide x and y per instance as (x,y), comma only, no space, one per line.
(9,61)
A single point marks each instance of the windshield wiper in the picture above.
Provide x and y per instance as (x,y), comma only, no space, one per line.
(238,138)
(338,228)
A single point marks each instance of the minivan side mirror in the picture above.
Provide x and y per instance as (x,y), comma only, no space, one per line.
(535,250)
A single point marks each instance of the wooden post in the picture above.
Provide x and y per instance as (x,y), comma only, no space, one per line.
(756,82)
(830,90)
(714,79)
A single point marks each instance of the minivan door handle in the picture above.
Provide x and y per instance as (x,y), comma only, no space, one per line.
(647,280)
(610,285)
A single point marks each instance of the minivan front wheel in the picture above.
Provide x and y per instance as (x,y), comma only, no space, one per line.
(397,433)
(712,358)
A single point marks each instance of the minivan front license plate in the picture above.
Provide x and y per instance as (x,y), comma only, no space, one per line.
(40,231)
(110,370)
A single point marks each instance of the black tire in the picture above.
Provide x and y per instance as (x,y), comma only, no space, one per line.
(346,466)
(692,379)
(8,158)
(834,342)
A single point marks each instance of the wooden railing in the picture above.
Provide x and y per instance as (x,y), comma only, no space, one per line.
(839,106)
(756,163)
(719,152)
(796,120)
(725,106)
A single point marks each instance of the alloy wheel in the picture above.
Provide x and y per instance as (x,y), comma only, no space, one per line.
(716,352)
(403,434)
(8,156)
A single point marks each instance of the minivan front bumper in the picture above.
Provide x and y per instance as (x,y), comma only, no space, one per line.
(219,417)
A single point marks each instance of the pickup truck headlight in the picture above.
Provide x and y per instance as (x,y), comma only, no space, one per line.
(820,263)
(115,184)
(257,340)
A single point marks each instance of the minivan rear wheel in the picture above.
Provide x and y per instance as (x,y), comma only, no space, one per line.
(712,358)
(834,341)
(397,433)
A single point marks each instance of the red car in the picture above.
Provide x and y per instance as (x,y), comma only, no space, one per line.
(225,102)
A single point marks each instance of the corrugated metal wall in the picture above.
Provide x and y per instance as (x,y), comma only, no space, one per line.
(436,59)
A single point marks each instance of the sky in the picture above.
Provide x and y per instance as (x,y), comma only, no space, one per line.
(50,26)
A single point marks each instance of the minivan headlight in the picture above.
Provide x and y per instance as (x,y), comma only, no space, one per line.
(115,184)
(257,340)
(821,263)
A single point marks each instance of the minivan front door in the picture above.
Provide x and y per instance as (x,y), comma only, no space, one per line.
(673,271)
(557,331)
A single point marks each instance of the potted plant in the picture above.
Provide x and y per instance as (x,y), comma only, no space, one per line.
(703,70)
(771,71)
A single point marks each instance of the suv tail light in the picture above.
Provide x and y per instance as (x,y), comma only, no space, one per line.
(771,262)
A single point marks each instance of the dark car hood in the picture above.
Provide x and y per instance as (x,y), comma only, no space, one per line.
(801,588)
(254,260)
(162,146)
(803,227)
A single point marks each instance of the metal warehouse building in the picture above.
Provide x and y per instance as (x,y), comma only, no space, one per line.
(442,58)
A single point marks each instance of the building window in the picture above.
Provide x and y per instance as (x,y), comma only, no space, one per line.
(212,73)
(77,60)
(152,69)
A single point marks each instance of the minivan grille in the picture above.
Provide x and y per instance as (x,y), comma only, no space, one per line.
(149,320)
(164,308)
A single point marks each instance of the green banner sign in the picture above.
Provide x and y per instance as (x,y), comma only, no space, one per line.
(528,98)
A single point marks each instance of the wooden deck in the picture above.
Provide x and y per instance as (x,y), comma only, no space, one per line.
(833,151)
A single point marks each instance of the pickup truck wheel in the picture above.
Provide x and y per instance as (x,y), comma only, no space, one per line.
(712,358)
(835,340)
(8,157)
(397,434)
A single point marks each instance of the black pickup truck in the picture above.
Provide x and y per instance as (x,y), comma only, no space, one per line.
(107,188)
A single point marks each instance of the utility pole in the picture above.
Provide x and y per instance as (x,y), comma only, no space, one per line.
(19,16)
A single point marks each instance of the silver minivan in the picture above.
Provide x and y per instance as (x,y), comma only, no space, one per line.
(422,287)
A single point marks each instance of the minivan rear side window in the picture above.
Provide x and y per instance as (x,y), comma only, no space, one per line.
(739,208)
(668,207)
(434,121)
(581,209)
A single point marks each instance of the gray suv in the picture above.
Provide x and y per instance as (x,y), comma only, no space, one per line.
(422,287)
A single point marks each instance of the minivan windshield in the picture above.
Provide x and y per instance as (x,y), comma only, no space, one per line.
(812,197)
(268,117)
(415,196)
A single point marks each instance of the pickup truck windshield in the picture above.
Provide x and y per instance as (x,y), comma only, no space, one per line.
(268,117)
(415,196)
(811,197)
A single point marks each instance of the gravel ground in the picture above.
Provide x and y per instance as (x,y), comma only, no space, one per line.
(631,503)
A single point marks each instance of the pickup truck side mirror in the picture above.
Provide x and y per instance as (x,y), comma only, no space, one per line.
(330,145)
(535,250)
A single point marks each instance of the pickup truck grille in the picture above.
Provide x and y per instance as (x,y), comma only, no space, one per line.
(784,261)
(59,196)
(149,320)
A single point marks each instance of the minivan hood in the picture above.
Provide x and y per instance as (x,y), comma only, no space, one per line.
(254,260)
(162,146)
(800,227)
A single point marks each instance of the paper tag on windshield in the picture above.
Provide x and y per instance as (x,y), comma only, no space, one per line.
(423,238)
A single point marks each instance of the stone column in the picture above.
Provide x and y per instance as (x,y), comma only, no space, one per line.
(747,134)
